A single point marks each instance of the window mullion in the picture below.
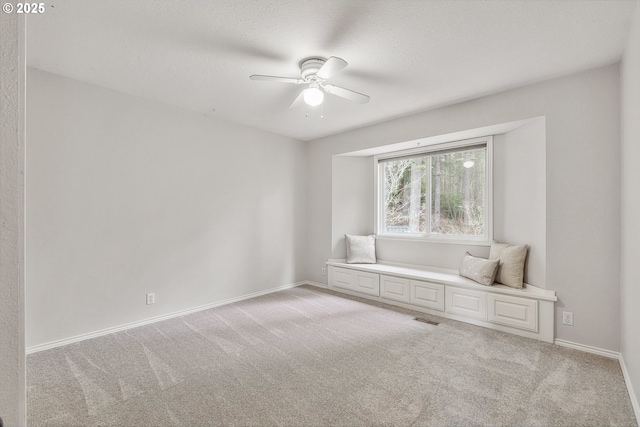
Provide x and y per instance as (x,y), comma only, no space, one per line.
(428,200)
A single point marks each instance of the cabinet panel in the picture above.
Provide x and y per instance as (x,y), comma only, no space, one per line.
(466,303)
(367,283)
(513,311)
(354,280)
(425,294)
(343,278)
(394,288)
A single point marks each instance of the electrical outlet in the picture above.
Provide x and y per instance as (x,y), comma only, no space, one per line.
(324,271)
(567,318)
(151,299)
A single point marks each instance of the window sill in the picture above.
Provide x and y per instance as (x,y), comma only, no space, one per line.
(449,241)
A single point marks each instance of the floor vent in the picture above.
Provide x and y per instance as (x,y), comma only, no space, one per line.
(431,322)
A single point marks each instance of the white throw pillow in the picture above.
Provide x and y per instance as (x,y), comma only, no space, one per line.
(479,270)
(360,249)
(512,258)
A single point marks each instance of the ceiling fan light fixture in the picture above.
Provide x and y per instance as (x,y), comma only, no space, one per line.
(315,72)
(313,96)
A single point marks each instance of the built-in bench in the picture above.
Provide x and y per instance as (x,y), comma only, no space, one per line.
(527,312)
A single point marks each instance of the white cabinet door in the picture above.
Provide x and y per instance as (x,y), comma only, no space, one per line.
(513,311)
(354,280)
(394,288)
(367,283)
(426,294)
(466,302)
(342,278)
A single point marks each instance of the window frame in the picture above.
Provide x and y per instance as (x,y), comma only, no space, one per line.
(486,239)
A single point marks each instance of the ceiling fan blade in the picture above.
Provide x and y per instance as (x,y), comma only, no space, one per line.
(276,79)
(330,67)
(347,94)
(298,101)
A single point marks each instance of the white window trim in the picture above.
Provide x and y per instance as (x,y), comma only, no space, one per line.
(465,240)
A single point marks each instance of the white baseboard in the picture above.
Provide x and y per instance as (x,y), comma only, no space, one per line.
(106,331)
(632,394)
(613,355)
(588,349)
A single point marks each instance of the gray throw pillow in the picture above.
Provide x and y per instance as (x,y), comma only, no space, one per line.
(512,258)
(480,270)
(360,249)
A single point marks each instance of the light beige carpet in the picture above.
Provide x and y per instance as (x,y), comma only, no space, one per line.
(309,357)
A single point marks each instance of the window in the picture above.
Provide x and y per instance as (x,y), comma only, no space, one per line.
(441,192)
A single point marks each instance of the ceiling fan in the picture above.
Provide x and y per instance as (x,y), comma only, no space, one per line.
(315,72)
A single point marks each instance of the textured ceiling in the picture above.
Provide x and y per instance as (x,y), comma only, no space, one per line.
(407,55)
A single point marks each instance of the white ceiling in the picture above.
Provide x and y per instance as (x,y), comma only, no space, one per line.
(408,55)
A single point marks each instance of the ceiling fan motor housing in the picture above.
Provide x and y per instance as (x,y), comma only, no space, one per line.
(309,67)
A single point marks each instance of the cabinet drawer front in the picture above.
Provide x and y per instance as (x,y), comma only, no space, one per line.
(429,295)
(394,288)
(367,283)
(513,311)
(343,278)
(466,303)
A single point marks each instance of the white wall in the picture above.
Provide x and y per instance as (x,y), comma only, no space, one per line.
(630,210)
(12,344)
(519,195)
(582,187)
(351,200)
(126,196)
